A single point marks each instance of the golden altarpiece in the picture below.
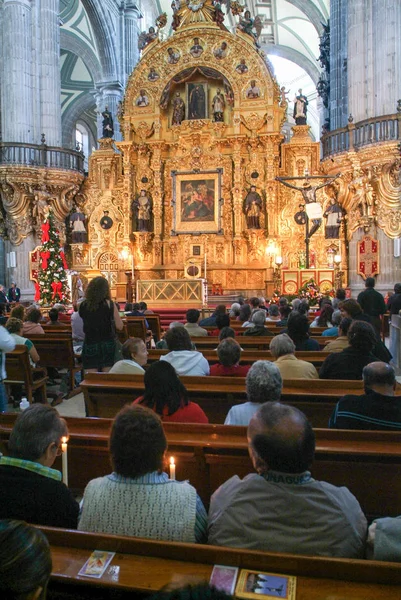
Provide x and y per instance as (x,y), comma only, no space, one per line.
(201,122)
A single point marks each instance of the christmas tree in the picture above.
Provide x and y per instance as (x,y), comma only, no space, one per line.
(52,286)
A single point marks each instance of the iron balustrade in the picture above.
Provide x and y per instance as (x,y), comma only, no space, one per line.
(364,133)
(33,155)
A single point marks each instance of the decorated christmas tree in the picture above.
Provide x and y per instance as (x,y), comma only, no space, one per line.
(53,285)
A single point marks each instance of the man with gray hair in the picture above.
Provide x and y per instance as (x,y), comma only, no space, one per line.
(281,508)
(30,490)
(258,320)
(263,383)
(283,351)
(377,409)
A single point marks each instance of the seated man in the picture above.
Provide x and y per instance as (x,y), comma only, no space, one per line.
(54,318)
(30,490)
(283,351)
(341,342)
(143,307)
(193,316)
(229,353)
(348,363)
(377,409)
(258,319)
(263,383)
(281,508)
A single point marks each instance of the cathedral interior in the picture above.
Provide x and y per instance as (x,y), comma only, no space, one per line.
(166,142)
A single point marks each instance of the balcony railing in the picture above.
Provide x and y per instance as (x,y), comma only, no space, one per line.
(357,135)
(32,155)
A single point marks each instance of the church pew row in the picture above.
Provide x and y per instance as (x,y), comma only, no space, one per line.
(146,566)
(106,393)
(368,463)
(248,357)
(57,351)
(250,342)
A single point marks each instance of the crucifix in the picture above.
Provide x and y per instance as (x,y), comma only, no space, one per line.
(311,210)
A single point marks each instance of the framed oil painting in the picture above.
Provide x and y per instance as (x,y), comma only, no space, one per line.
(197,201)
(197,106)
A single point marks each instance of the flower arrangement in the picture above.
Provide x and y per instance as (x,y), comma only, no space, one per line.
(309,291)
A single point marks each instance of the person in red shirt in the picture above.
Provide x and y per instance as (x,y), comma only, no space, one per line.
(221,322)
(167,396)
(229,353)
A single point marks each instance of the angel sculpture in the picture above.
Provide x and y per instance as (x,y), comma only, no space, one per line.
(161,21)
(146,38)
(252,27)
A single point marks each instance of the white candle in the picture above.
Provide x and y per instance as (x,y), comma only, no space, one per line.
(132,266)
(64,460)
(172,468)
(204,270)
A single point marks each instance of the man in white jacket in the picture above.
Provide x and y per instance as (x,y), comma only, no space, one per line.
(7,344)
(184,360)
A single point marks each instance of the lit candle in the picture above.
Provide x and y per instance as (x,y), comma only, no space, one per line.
(172,468)
(64,460)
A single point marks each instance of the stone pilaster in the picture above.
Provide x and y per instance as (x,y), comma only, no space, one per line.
(20,274)
(16,73)
(374,63)
(50,85)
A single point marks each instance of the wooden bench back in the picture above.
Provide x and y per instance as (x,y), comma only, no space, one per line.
(136,327)
(254,342)
(18,366)
(106,393)
(154,325)
(55,350)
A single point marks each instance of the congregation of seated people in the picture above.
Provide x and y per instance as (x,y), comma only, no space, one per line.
(280,507)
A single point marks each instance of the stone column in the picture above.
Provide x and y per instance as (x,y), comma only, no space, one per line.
(374,62)
(49,69)
(16,72)
(131,31)
(20,274)
(338,106)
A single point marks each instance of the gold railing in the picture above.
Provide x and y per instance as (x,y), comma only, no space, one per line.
(169,292)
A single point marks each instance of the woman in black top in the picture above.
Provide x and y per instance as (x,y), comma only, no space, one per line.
(101,319)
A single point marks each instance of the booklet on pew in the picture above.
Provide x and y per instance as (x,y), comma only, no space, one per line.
(257,584)
(97,564)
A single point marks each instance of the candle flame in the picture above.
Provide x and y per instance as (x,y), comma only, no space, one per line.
(172,462)
(64,439)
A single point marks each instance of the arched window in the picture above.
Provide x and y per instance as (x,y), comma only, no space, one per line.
(82,140)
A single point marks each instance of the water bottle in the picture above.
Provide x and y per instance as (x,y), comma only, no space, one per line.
(24,404)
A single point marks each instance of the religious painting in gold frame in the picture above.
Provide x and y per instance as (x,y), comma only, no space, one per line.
(197,201)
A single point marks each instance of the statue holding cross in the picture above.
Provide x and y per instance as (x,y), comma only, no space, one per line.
(313,209)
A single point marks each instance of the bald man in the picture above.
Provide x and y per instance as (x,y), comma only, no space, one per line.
(281,508)
(377,409)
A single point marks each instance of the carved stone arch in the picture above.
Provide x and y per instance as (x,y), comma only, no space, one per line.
(76,45)
(296,57)
(71,116)
(105,37)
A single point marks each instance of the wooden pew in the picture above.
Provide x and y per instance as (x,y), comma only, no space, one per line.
(145,566)
(248,342)
(106,393)
(136,327)
(57,351)
(367,462)
(248,357)
(20,372)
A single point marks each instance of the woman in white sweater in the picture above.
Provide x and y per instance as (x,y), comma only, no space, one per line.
(138,499)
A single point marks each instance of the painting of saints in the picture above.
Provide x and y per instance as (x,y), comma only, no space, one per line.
(196,101)
(197,200)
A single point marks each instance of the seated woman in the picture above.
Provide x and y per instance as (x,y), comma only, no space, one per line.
(298,330)
(138,498)
(25,561)
(18,312)
(167,396)
(273,313)
(31,325)
(324,319)
(221,322)
(184,360)
(135,356)
(229,353)
(14,327)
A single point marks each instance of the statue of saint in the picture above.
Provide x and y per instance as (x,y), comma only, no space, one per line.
(333,214)
(142,212)
(218,105)
(252,27)
(253,208)
(178,110)
(253,91)
(197,102)
(108,127)
(300,108)
(79,235)
(142,99)
(363,194)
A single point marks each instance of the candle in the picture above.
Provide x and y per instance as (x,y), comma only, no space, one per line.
(172,468)
(204,270)
(64,459)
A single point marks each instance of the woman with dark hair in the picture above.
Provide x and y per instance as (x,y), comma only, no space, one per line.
(25,561)
(298,330)
(349,363)
(244,313)
(184,359)
(101,319)
(221,321)
(167,396)
(31,324)
(324,319)
(135,357)
(138,499)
